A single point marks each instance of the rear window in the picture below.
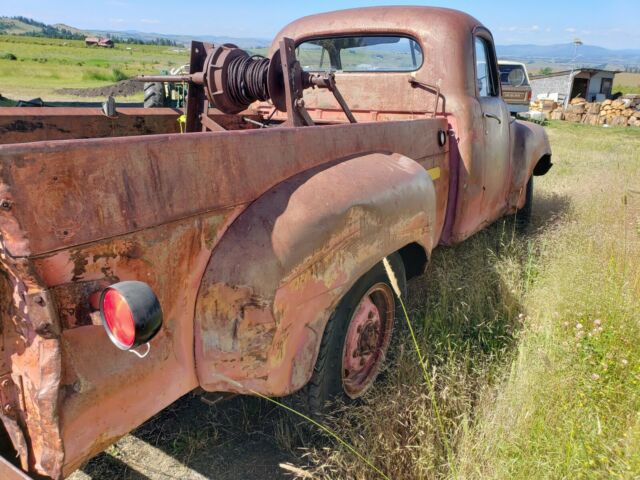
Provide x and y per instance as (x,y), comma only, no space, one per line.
(513,75)
(373,53)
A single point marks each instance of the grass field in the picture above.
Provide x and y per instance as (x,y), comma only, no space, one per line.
(43,65)
(532,344)
(627,83)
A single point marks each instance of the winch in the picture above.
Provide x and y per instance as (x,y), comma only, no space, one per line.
(229,79)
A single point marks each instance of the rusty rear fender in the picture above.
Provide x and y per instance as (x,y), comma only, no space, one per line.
(281,268)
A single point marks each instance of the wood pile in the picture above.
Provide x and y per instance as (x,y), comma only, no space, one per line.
(621,112)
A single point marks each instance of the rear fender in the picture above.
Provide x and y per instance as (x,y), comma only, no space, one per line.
(281,268)
(529,147)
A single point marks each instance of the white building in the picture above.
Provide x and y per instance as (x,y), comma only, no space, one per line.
(589,83)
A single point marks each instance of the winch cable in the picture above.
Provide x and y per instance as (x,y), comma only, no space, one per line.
(247,79)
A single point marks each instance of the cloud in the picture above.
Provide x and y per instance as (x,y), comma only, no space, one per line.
(149,20)
(570,30)
(528,29)
(116,20)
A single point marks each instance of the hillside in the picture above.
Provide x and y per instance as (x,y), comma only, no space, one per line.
(28,26)
(12,26)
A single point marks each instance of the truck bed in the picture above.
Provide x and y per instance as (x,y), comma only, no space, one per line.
(82,213)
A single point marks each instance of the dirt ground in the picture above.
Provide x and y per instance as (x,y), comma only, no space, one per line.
(242,438)
(123,88)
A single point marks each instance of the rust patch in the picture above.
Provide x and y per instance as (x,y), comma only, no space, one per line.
(236,320)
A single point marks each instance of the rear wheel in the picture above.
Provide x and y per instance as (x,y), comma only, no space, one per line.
(523,215)
(355,342)
(154,96)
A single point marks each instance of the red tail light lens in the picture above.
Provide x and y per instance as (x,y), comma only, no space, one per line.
(118,319)
(131,313)
(529,95)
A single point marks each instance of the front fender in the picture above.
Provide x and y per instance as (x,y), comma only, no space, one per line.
(529,147)
(281,268)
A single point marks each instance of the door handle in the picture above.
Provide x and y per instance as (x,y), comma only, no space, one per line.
(495,117)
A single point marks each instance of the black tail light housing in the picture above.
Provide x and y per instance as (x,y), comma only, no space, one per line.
(131,313)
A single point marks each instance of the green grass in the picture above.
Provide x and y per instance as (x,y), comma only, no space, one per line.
(533,342)
(624,89)
(45,65)
(627,83)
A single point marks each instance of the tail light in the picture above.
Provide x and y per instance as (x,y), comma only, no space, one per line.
(131,313)
(529,95)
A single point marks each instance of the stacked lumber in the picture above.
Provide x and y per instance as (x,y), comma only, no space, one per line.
(624,111)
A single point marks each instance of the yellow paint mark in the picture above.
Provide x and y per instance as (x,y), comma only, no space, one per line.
(434,173)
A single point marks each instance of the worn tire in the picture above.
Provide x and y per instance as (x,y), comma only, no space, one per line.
(154,96)
(523,215)
(326,384)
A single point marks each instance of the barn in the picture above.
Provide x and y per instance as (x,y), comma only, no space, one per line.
(589,83)
(98,42)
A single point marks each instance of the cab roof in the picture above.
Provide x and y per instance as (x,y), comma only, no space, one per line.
(413,20)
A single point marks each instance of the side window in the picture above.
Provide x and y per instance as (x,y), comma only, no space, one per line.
(485,74)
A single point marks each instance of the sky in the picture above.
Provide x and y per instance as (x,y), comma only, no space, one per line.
(610,23)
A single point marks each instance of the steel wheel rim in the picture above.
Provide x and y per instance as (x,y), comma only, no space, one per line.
(367,339)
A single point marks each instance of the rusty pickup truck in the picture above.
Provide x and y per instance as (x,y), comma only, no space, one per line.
(236,246)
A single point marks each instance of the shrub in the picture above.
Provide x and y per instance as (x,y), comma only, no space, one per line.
(115,75)
(96,75)
(118,75)
(8,56)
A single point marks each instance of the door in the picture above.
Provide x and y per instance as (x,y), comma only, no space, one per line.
(496,120)
(605,86)
(580,88)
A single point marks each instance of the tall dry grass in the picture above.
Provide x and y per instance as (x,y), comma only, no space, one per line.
(533,343)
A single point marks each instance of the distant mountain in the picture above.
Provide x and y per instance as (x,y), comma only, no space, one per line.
(186,39)
(587,55)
